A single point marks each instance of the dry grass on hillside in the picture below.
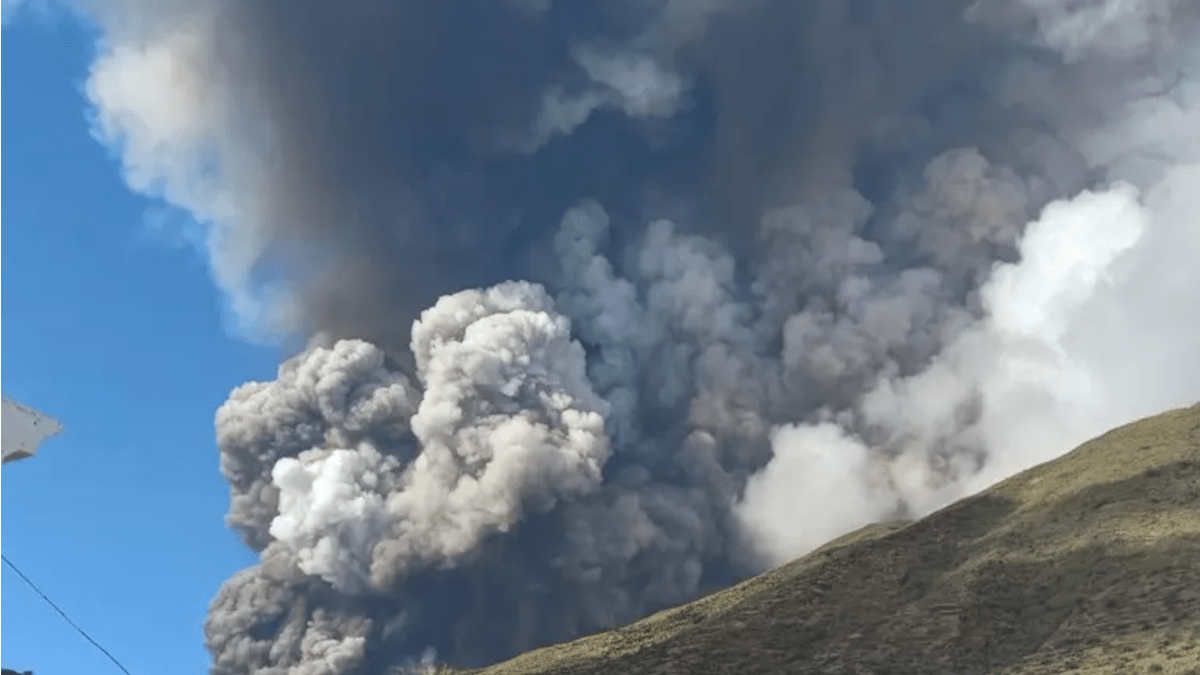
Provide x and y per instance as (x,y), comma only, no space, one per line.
(1089,564)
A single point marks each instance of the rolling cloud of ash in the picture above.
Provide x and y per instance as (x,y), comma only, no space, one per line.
(783,269)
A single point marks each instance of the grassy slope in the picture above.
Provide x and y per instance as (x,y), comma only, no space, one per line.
(1086,564)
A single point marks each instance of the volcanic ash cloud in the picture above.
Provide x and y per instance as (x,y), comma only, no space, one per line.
(611,303)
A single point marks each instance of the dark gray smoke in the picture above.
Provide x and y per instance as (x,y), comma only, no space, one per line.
(785,268)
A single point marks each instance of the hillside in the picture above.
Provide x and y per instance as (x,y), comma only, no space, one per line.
(1086,564)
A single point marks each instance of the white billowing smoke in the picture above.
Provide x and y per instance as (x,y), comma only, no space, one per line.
(1007,369)
(1096,322)
(843,294)
(331,511)
(630,81)
(507,423)
(818,485)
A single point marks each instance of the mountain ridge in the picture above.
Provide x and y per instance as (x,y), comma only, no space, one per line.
(1084,564)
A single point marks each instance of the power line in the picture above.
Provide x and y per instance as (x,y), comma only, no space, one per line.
(63,614)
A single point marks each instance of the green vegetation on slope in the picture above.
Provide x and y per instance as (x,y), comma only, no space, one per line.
(1086,564)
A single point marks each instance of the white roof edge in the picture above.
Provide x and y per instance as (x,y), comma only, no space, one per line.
(23,430)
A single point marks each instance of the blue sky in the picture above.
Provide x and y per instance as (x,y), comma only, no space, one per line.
(118,335)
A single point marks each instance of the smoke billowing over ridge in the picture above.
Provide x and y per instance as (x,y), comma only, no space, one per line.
(612,302)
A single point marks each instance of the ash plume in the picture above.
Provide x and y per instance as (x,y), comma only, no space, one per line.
(611,303)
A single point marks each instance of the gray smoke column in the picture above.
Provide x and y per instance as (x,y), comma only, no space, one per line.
(611,303)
